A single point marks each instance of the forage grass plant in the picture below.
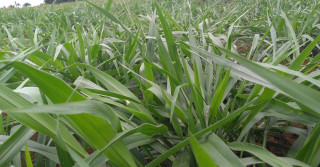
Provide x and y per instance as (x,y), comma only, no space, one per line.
(161,83)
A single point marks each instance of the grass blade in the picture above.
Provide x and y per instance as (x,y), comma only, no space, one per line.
(202,157)
(28,157)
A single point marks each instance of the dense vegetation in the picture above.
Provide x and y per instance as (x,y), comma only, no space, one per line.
(57,1)
(170,83)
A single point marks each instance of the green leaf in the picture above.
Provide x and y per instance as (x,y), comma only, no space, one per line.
(57,90)
(115,86)
(109,15)
(260,153)
(108,6)
(40,122)
(91,127)
(88,107)
(11,147)
(218,97)
(297,62)
(291,34)
(310,153)
(220,152)
(172,48)
(202,157)
(212,127)
(28,157)
(182,159)
(301,93)
(64,157)
(147,129)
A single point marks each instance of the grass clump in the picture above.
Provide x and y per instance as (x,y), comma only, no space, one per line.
(161,83)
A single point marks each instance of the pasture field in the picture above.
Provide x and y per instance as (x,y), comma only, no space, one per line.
(161,83)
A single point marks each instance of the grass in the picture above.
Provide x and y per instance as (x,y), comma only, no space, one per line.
(160,83)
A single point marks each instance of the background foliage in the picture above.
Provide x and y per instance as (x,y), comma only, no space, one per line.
(171,83)
(57,1)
